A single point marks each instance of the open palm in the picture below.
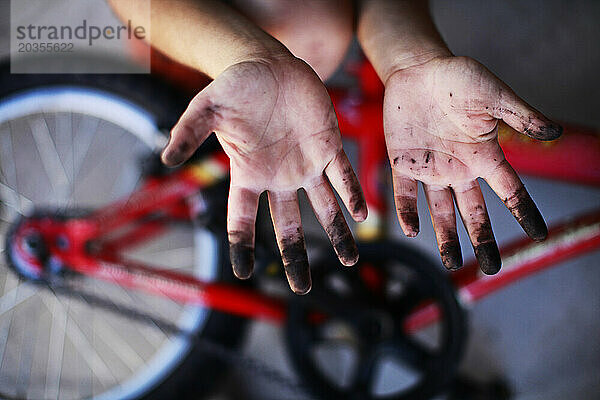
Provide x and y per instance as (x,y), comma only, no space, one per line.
(441,123)
(276,123)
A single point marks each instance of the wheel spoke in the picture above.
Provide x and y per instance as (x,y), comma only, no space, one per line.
(21,204)
(55,171)
(56,346)
(86,131)
(410,351)
(366,371)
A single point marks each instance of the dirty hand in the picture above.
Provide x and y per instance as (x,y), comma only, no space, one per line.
(276,123)
(441,123)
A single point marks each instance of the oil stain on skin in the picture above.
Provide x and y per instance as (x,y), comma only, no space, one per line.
(295,263)
(450,251)
(407,211)
(549,131)
(357,200)
(527,214)
(486,249)
(241,254)
(342,240)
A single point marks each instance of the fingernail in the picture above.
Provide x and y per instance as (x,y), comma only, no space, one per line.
(488,256)
(242,260)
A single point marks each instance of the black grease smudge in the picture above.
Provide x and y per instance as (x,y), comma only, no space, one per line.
(486,249)
(550,131)
(488,257)
(406,208)
(527,214)
(342,240)
(295,263)
(242,260)
(241,253)
(357,202)
(450,251)
(427,156)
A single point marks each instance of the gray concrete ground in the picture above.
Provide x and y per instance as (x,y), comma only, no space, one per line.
(542,333)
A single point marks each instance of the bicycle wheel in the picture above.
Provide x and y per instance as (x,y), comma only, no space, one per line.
(69,143)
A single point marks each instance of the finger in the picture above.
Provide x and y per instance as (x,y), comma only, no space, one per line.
(330,217)
(241,218)
(342,178)
(290,239)
(194,126)
(441,209)
(405,198)
(507,185)
(524,118)
(471,207)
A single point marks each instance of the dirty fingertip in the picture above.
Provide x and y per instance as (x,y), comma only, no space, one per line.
(550,131)
(522,206)
(171,158)
(451,255)
(242,260)
(488,256)
(298,276)
(410,224)
(359,210)
(535,226)
(348,260)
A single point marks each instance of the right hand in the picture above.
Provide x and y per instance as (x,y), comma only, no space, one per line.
(276,123)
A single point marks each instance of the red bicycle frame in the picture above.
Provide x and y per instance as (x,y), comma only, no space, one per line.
(360,118)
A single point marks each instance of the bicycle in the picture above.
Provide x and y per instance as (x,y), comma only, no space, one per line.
(116,326)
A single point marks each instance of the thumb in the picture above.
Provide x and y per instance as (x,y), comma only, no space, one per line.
(194,126)
(522,117)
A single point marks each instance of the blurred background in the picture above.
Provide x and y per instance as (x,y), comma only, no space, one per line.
(540,335)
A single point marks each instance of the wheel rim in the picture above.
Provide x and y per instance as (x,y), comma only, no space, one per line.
(86,147)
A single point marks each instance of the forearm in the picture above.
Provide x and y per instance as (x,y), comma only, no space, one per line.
(396,34)
(206,35)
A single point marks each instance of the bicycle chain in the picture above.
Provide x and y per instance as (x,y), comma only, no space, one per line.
(229,356)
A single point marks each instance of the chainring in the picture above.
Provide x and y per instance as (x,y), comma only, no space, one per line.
(347,339)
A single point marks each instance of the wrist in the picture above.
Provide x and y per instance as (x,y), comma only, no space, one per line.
(405,61)
(268,51)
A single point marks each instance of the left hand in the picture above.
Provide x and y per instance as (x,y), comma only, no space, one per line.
(276,123)
(441,127)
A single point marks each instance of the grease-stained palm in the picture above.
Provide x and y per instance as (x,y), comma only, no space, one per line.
(441,123)
(276,123)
